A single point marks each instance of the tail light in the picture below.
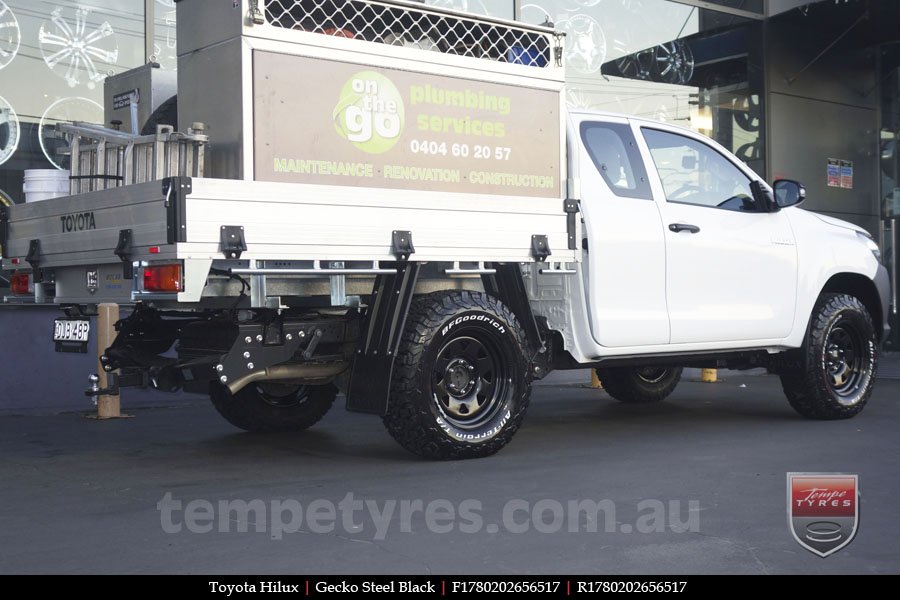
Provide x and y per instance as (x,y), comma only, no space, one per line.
(20,284)
(162,278)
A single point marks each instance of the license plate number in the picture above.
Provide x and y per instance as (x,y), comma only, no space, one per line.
(71,330)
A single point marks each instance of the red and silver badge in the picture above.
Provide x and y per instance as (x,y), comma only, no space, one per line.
(823,510)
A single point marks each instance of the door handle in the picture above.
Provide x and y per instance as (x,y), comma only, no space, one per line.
(676,227)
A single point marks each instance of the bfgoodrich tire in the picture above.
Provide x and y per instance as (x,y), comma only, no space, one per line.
(273,407)
(836,367)
(639,385)
(461,383)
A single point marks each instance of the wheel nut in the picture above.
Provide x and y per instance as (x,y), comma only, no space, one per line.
(246,355)
(250,366)
(259,337)
(248,340)
(220,368)
(223,379)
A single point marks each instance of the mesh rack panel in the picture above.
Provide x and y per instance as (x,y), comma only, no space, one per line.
(412,26)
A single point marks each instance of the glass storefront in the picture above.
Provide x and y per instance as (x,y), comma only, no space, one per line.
(661,59)
(656,58)
(690,66)
(54,56)
(889,161)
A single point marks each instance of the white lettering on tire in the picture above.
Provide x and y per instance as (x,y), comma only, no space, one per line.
(477,318)
(475,437)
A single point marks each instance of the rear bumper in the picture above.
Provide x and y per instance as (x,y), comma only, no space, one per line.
(883,284)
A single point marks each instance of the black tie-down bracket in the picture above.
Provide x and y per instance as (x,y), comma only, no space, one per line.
(124,250)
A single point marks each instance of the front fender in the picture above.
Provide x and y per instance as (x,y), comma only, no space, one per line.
(826,248)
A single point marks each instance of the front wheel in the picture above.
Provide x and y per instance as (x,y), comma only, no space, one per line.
(835,373)
(272,407)
(460,385)
(639,385)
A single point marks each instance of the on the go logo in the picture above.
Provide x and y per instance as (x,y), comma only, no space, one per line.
(369,112)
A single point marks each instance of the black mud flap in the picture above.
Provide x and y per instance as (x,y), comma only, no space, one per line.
(373,363)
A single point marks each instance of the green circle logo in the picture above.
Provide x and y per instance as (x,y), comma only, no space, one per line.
(369,112)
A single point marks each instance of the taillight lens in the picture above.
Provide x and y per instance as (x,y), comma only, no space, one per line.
(20,283)
(162,278)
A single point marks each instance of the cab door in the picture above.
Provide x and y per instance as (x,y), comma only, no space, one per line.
(624,239)
(731,266)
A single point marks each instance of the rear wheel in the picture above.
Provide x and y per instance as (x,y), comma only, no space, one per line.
(639,385)
(271,407)
(460,385)
(835,373)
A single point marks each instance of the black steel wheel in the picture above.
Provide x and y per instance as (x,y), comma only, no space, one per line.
(470,379)
(835,370)
(272,407)
(461,382)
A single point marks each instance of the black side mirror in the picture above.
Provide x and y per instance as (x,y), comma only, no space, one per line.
(763,197)
(788,192)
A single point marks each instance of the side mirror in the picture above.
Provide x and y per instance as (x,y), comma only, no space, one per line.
(788,192)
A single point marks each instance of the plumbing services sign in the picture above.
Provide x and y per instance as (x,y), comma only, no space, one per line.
(357,125)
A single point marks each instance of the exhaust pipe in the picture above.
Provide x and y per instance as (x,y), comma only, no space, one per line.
(289,373)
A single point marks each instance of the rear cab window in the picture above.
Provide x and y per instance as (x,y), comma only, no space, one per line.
(615,155)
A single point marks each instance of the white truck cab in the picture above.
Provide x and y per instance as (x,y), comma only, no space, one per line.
(682,255)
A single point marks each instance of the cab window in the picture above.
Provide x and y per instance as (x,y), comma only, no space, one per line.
(614,153)
(693,173)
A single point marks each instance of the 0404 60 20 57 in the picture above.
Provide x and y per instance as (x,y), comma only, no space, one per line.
(459,150)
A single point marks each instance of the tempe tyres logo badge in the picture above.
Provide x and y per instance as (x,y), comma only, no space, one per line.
(823,510)
(369,112)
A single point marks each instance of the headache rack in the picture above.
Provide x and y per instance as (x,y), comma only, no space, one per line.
(416,26)
(102,158)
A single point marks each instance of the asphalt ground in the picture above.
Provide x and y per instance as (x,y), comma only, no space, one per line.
(696,484)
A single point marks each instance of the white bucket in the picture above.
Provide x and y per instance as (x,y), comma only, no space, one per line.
(43,184)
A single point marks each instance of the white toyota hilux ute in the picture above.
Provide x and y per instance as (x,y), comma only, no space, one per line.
(427,230)
(689,252)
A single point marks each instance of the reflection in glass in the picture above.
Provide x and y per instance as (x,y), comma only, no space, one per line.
(65,110)
(164,46)
(72,44)
(664,60)
(493,8)
(748,5)
(9,130)
(673,62)
(585,43)
(10,35)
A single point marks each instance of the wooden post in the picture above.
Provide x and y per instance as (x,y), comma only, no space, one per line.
(108,407)
(708,375)
(595,381)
